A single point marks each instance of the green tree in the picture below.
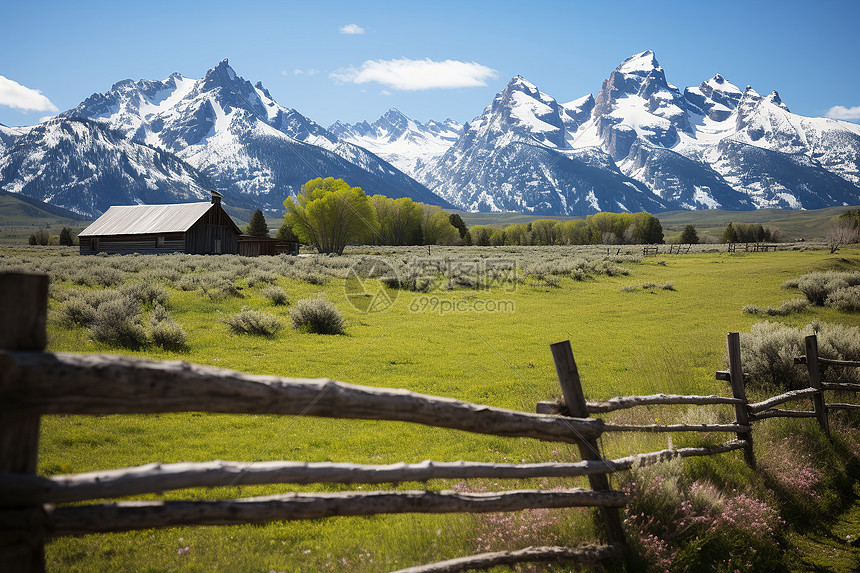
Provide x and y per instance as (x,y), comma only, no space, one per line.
(689,236)
(285,233)
(66,237)
(544,231)
(459,224)
(258,227)
(437,227)
(400,220)
(497,237)
(646,229)
(730,235)
(517,234)
(480,235)
(329,214)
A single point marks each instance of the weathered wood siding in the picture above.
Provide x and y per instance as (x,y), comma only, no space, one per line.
(120,244)
(202,238)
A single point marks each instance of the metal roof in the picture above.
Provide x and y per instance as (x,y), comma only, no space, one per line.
(145,219)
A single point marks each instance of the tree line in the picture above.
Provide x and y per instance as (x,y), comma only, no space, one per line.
(599,228)
(329,214)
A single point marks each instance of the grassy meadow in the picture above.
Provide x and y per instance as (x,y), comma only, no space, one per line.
(667,337)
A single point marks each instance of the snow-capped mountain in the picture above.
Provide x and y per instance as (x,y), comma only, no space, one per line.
(86,167)
(407,144)
(240,138)
(8,135)
(517,156)
(710,146)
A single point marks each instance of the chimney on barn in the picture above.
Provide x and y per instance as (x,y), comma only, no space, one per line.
(216,198)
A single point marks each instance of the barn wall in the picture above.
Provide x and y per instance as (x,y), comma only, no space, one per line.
(124,244)
(200,239)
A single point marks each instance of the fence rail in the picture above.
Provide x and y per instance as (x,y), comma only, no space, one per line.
(34,383)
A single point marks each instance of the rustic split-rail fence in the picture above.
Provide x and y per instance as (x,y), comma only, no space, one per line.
(34,383)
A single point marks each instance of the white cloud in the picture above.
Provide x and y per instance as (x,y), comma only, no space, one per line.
(842,112)
(415,75)
(352,29)
(16,96)
(385,93)
(312,72)
(298,72)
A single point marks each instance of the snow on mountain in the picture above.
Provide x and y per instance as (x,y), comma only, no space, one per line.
(710,146)
(516,156)
(9,135)
(240,138)
(407,144)
(86,167)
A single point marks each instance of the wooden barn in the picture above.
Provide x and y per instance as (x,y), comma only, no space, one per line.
(194,228)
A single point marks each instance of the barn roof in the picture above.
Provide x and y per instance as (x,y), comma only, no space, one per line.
(144,219)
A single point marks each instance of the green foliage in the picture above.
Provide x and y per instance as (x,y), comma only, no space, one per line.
(254,322)
(755,233)
(480,235)
(437,227)
(330,214)
(66,237)
(41,237)
(285,233)
(258,227)
(689,236)
(317,315)
(730,235)
(457,222)
(400,221)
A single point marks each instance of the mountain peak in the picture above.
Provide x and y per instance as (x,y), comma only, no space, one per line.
(220,74)
(519,82)
(642,62)
(774,98)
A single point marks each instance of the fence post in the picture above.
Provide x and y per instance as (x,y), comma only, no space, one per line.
(23,315)
(736,377)
(571,388)
(813,366)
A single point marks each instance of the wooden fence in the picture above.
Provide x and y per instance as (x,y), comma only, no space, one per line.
(34,383)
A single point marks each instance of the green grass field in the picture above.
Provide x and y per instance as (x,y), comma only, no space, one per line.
(641,342)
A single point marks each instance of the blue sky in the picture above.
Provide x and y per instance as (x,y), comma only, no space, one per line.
(302,53)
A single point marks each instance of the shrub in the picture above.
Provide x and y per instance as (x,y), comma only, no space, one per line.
(77,311)
(169,335)
(147,293)
(261,277)
(276,294)
(788,307)
(221,288)
(317,315)
(846,298)
(99,275)
(769,349)
(118,323)
(254,322)
(817,286)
